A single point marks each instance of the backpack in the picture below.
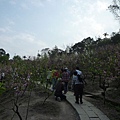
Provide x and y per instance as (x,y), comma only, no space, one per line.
(80,78)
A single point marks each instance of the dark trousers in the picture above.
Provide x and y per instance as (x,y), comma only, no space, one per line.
(65,87)
(78,91)
(62,96)
(77,98)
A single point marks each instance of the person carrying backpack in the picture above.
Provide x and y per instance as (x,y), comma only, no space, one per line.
(78,85)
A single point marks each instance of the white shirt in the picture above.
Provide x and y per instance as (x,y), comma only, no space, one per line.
(75,80)
(79,72)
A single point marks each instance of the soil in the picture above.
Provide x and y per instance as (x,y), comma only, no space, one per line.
(51,110)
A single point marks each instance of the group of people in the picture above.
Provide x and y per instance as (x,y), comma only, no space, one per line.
(60,80)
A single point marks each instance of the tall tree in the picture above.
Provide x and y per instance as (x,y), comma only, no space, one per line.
(2,52)
(105,34)
(115,9)
(17,57)
(3,56)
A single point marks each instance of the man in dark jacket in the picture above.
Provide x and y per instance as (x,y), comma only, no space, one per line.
(59,89)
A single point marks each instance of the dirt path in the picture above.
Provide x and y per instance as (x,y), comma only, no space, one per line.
(52,110)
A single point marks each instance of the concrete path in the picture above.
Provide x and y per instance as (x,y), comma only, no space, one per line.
(86,111)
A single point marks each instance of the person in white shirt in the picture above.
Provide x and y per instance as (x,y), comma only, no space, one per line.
(78,71)
(77,87)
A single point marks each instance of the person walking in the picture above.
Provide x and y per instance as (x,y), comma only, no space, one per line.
(65,79)
(55,76)
(49,77)
(78,86)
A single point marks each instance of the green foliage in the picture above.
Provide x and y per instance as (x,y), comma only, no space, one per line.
(115,9)
(17,58)
(2,88)
(116,39)
(3,56)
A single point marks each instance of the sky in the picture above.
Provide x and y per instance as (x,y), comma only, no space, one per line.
(28,26)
